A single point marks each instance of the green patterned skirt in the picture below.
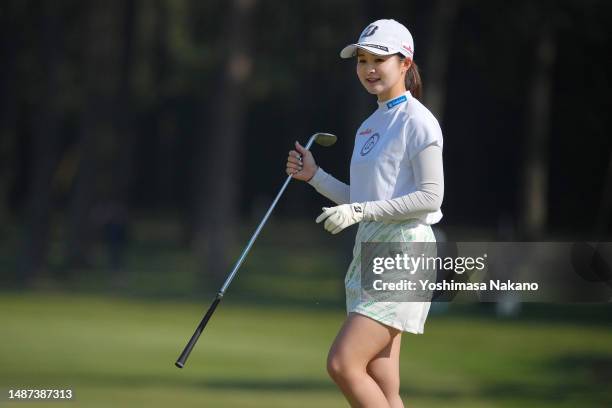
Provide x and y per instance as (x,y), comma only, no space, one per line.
(404,316)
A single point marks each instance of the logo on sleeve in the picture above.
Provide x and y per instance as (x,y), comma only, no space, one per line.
(369,144)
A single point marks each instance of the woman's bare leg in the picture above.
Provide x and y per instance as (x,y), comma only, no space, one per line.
(384,369)
(359,341)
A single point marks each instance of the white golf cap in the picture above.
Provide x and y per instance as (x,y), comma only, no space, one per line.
(383,37)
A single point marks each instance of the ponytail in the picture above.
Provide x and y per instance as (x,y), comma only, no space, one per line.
(413,81)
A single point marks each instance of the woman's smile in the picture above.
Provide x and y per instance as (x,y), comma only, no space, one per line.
(381,75)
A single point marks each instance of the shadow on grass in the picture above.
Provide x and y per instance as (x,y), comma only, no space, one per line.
(521,393)
(587,380)
(596,367)
(177,381)
(539,393)
(574,314)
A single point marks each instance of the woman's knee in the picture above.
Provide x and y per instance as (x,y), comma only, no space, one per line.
(334,365)
(340,368)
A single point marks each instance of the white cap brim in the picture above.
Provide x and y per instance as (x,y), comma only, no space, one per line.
(349,50)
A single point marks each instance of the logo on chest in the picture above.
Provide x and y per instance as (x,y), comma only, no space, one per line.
(369,144)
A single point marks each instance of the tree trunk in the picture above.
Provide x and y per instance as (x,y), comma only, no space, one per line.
(438,52)
(123,104)
(10,42)
(535,172)
(362,104)
(164,133)
(44,151)
(96,128)
(221,154)
(115,219)
(605,208)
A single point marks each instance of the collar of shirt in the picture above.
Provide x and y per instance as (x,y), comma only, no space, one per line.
(392,103)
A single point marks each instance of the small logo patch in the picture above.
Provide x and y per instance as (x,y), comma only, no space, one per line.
(369,144)
(396,101)
(365,132)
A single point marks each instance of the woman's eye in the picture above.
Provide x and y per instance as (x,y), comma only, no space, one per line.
(361,61)
(380,60)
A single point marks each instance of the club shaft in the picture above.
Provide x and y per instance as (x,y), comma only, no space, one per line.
(246,250)
(180,363)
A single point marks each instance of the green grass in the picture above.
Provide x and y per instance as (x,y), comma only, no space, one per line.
(120,353)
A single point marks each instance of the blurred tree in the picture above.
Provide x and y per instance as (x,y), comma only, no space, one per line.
(438,61)
(96,144)
(303,101)
(362,103)
(521,84)
(604,215)
(537,142)
(114,209)
(220,152)
(44,147)
(124,104)
(536,147)
(10,43)
(164,132)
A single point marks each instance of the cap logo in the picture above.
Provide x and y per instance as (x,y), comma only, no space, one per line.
(380,47)
(369,30)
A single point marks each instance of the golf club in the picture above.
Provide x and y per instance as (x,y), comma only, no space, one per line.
(323,139)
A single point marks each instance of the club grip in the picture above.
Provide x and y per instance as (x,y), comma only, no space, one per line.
(180,363)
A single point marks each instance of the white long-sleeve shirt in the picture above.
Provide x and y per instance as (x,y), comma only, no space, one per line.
(396,167)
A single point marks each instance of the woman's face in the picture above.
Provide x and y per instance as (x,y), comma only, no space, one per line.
(382,75)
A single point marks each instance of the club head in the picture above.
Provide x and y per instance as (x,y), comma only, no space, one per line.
(325,139)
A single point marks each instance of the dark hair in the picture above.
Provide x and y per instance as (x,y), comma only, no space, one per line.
(413,79)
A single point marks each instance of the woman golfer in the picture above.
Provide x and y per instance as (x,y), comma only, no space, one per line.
(395,194)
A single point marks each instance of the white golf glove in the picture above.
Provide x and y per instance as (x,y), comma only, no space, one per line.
(342,216)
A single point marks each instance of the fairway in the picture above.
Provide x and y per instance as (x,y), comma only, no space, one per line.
(120,353)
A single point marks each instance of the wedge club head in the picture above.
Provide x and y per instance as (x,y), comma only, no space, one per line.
(325,139)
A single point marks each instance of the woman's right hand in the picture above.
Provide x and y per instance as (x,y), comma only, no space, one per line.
(300,163)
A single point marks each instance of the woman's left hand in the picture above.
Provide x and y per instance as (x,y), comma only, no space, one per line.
(342,216)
